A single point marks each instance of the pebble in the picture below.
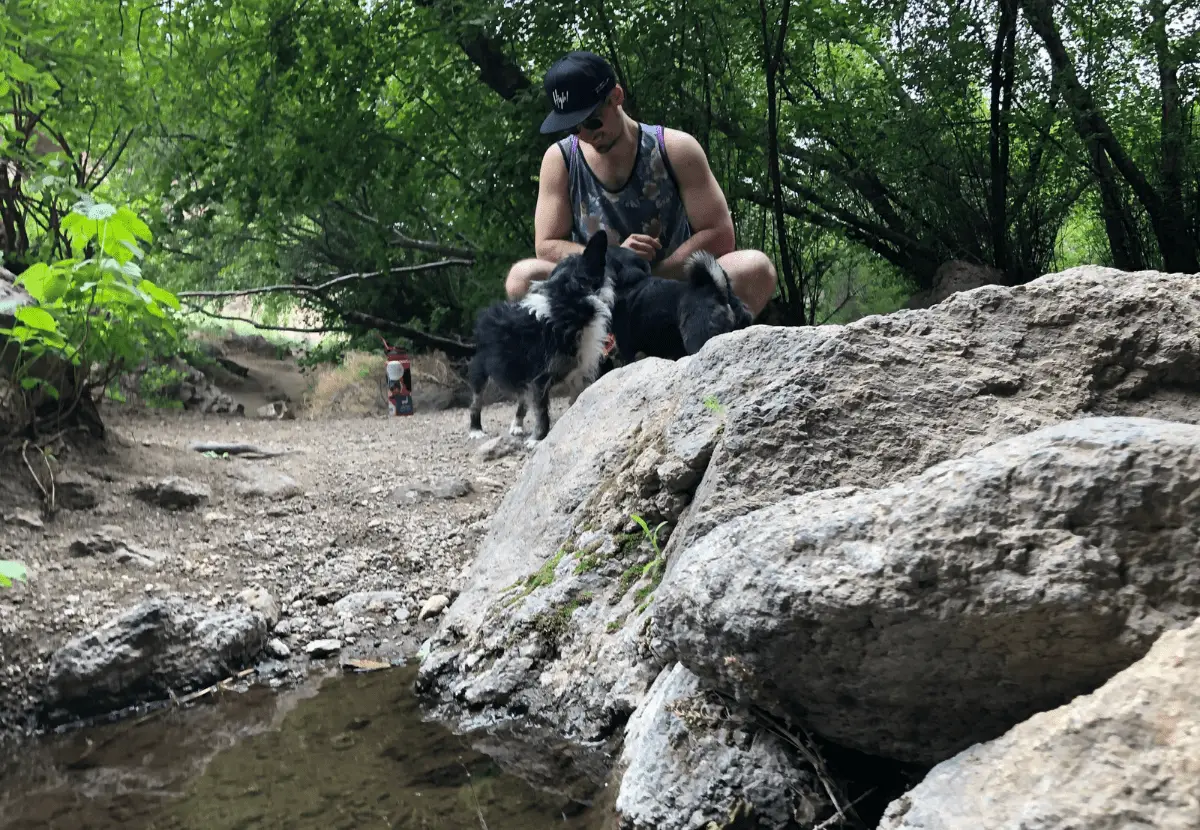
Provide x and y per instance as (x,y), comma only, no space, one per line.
(433,606)
(278,649)
(323,648)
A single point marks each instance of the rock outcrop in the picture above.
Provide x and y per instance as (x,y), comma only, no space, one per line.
(552,628)
(1127,755)
(912,621)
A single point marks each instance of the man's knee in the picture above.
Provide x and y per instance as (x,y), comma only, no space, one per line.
(754,277)
(522,274)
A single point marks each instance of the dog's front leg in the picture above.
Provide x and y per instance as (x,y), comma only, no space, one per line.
(541,414)
(518,423)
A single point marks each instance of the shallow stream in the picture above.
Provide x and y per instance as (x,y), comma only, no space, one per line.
(351,755)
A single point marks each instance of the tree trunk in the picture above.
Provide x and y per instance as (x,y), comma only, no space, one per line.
(1177,246)
(772,60)
(1002,86)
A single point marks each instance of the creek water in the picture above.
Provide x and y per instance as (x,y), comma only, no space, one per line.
(350,754)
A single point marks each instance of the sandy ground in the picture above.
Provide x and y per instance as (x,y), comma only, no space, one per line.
(352,528)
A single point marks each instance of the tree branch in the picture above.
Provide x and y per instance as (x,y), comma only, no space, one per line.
(325,286)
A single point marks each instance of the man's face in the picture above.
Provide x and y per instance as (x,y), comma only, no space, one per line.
(605,135)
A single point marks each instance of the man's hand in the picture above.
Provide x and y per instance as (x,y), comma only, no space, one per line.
(646,247)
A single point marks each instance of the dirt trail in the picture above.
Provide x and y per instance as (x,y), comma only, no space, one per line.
(354,527)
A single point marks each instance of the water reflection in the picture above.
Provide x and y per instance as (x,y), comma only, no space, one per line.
(356,755)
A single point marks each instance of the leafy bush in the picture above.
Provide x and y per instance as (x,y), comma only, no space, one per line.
(95,311)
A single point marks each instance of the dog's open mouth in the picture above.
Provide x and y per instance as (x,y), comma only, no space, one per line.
(610,343)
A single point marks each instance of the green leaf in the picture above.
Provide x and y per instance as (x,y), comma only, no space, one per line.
(135,225)
(33,280)
(36,318)
(160,295)
(9,571)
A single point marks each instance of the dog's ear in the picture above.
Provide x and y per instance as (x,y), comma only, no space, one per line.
(594,251)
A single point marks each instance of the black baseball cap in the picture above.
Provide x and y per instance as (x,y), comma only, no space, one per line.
(576,85)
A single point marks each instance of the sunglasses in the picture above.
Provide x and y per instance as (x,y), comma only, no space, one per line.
(593,121)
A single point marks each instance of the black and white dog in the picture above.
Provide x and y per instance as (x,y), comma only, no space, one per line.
(555,334)
(672,318)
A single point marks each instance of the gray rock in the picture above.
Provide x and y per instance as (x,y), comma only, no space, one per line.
(131,553)
(364,602)
(759,416)
(261,601)
(446,488)
(24,518)
(74,491)
(886,397)
(1127,755)
(277,649)
(323,648)
(433,606)
(548,623)
(686,763)
(912,621)
(267,484)
(173,493)
(499,447)
(104,540)
(158,647)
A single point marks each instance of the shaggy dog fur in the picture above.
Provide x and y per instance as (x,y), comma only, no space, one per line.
(672,318)
(555,334)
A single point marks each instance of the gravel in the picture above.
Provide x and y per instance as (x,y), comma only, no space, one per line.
(340,531)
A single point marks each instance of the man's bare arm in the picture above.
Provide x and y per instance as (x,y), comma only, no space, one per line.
(707,210)
(552,217)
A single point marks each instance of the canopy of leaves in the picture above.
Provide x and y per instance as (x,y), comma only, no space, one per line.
(861,144)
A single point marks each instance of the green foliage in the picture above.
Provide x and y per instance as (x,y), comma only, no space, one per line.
(545,574)
(95,310)
(10,571)
(280,143)
(159,386)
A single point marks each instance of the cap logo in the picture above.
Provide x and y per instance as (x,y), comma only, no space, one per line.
(560,98)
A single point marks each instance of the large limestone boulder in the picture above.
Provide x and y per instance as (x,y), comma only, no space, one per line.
(1127,755)
(551,627)
(912,621)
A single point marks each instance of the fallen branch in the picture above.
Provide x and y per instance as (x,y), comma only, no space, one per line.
(224,684)
(235,449)
(451,346)
(48,495)
(300,288)
(839,817)
(202,310)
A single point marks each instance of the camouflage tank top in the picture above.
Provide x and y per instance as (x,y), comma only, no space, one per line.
(648,202)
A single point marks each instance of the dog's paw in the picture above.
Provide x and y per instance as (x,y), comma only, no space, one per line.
(516,429)
(476,434)
(531,443)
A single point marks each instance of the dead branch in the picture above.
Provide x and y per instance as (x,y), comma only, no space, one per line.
(451,346)
(325,286)
(321,330)
(235,449)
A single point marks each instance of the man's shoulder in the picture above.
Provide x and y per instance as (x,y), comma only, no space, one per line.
(683,149)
